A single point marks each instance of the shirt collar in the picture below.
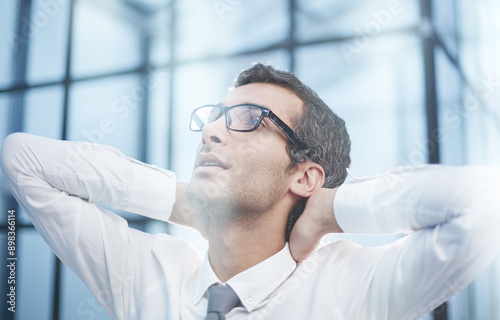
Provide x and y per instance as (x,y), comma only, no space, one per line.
(254,284)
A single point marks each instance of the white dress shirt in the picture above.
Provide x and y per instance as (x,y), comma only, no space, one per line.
(451,215)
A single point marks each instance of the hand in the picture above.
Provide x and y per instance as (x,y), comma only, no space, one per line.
(186,214)
(317,220)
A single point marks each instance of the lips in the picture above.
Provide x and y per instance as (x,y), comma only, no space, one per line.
(208,160)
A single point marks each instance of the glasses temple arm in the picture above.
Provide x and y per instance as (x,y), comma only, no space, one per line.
(287,131)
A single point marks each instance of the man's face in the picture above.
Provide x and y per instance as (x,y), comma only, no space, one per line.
(243,174)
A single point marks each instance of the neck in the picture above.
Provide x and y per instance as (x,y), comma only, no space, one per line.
(237,246)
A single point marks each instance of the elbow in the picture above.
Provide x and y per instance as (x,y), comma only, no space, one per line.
(11,155)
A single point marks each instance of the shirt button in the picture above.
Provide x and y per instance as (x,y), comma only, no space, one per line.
(250,300)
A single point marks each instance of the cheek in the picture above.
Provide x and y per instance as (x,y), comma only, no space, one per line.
(250,150)
(266,137)
(264,151)
(259,159)
(266,144)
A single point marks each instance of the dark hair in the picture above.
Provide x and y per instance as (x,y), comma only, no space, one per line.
(319,128)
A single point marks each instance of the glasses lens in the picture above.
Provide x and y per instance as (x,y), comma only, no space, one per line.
(243,117)
(203,116)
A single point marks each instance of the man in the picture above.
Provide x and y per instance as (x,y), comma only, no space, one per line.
(266,148)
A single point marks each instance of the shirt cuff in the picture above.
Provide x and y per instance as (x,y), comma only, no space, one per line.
(153,191)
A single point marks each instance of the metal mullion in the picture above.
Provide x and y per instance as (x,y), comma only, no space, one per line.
(144,107)
(431,103)
(74,80)
(67,82)
(171,77)
(12,204)
(24,87)
(56,299)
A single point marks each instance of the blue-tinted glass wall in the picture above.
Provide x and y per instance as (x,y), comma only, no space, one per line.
(138,67)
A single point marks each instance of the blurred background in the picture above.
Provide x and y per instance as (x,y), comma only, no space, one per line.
(416,81)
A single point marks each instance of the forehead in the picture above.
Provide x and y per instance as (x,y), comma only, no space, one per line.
(283,102)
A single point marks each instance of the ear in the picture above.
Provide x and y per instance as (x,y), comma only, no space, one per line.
(308,177)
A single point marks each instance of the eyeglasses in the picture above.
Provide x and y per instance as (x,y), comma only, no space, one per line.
(242,118)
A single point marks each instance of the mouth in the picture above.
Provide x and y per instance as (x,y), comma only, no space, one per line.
(210,161)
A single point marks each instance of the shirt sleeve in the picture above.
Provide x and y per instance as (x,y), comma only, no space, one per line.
(451,216)
(58,183)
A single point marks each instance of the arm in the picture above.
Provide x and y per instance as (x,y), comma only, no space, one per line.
(57,183)
(96,173)
(451,217)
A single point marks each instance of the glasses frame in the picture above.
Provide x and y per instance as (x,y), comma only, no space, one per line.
(266,112)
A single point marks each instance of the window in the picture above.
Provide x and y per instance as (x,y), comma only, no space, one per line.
(141,66)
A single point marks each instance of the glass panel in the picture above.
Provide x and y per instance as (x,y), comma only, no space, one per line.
(106,39)
(484,294)
(107,111)
(452,114)
(326,18)
(22,217)
(47,51)
(479,51)
(459,306)
(159,31)
(222,27)
(158,119)
(445,23)
(482,128)
(8,19)
(480,48)
(386,122)
(35,278)
(77,302)
(44,112)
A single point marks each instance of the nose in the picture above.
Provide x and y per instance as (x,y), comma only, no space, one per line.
(215,131)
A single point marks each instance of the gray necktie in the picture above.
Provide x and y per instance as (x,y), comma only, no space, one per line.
(221,300)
